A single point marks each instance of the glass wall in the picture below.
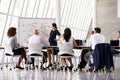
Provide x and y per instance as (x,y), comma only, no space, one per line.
(74,14)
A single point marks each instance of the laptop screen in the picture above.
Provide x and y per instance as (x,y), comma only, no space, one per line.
(79,42)
(114,42)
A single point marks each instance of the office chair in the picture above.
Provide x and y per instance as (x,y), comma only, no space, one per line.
(9,53)
(103,57)
(35,51)
(65,51)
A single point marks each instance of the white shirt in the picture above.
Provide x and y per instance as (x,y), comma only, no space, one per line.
(64,42)
(95,39)
(38,39)
(70,41)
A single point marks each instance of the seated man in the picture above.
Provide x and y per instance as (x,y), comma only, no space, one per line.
(94,39)
(36,38)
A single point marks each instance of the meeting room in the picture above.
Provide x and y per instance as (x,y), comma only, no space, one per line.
(59,39)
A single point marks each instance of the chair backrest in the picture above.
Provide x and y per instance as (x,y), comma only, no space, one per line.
(65,48)
(103,56)
(8,49)
(35,49)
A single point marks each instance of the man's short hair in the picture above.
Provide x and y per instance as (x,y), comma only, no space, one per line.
(97,30)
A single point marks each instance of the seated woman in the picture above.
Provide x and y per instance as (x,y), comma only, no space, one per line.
(67,38)
(12,40)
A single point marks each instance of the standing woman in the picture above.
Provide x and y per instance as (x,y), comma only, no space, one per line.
(12,40)
(64,39)
(53,33)
(53,42)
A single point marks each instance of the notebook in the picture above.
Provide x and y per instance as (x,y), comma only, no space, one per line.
(79,42)
(114,42)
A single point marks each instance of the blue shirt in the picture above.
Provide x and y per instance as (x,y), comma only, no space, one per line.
(52,37)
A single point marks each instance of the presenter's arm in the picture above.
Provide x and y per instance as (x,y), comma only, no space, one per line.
(44,42)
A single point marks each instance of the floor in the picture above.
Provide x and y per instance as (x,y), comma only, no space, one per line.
(37,74)
(56,75)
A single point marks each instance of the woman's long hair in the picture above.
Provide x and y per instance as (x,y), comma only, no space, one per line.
(67,34)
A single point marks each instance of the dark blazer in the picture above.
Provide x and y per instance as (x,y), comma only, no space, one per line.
(102,56)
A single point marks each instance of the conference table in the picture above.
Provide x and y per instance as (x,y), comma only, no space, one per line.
(116,47)
(77,47)
(80,47)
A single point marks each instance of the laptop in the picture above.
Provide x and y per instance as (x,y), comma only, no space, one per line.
(114,42)
(79,42)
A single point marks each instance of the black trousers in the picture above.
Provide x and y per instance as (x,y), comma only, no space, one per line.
(83,63)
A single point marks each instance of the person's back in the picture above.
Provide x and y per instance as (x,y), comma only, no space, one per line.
(12,41)
(62,41)
(95,39)
(66,38)
(37,39)
(70,40)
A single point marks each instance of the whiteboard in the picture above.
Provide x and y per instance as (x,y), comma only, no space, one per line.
(26,26)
